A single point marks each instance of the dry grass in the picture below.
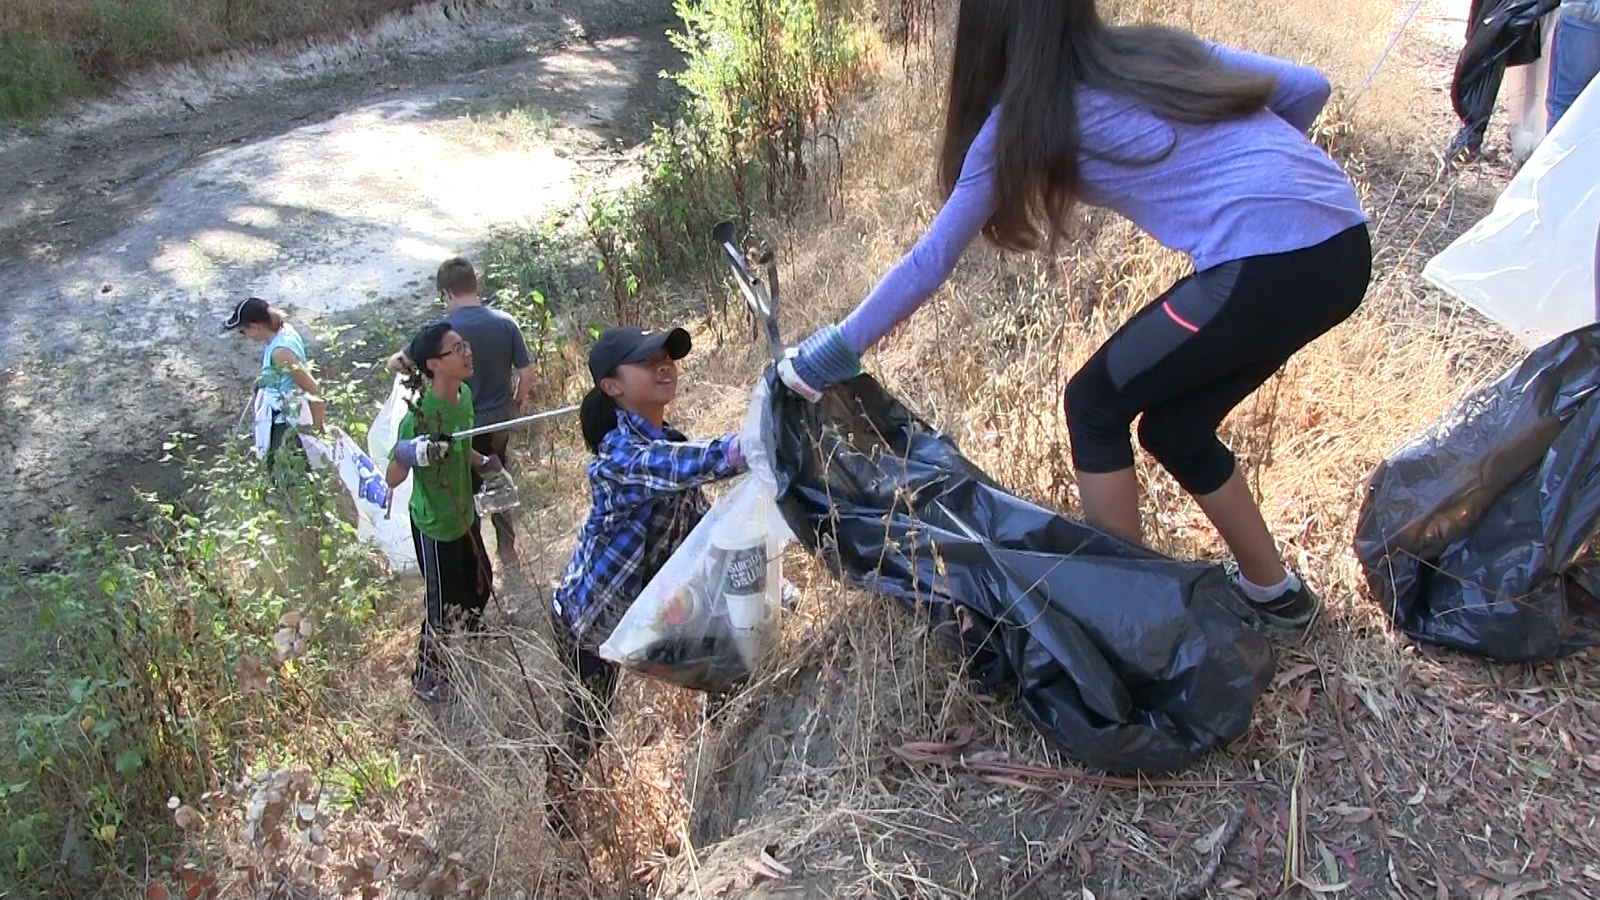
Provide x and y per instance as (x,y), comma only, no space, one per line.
(864,763)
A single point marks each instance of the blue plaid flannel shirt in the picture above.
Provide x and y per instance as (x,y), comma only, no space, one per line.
(646,488)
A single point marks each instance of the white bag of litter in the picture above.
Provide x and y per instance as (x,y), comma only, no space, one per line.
(319,453)
(710,615)
(385,430)
(1530,264)
(261,413)
(382,515)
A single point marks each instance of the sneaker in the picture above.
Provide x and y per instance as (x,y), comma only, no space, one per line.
(1289,611)
(430,689)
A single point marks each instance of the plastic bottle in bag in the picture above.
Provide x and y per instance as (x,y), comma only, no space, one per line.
(499,492)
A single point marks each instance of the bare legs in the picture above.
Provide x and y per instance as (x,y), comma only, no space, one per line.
(1111,503)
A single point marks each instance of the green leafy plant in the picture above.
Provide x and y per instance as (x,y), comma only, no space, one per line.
(168,659)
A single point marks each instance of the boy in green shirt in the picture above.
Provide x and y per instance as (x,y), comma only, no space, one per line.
(444,521)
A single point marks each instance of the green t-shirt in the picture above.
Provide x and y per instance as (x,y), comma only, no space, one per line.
(441,495)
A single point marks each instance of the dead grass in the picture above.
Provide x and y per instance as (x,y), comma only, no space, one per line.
(866,766)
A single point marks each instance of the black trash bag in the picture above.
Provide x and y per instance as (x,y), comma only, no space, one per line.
(1499,35)
(1474,533)
(1126,660)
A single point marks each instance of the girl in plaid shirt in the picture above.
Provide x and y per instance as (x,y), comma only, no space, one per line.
(645,480)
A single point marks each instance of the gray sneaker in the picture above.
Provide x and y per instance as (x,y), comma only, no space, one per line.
(1289,611)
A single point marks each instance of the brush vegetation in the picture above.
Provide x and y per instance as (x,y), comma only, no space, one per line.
(187,729)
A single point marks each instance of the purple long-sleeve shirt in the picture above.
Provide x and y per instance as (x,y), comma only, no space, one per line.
(1228,190)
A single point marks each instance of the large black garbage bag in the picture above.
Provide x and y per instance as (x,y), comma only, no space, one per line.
(1499,34)
(1474,533)
(1125,659)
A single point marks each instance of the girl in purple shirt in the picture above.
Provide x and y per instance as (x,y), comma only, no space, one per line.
(1204,148)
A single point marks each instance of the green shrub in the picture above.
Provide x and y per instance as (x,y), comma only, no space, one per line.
(168,667)
(133,31)
(760,81)
(34,76)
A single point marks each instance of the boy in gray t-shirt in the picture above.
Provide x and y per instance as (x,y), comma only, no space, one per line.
(498,350)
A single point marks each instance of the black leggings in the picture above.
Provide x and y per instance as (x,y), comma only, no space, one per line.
(588,706)
(1197,351)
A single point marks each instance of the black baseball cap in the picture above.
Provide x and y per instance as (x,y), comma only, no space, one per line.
(628,344)
(250,311)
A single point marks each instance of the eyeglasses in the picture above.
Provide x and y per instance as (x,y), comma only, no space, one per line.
(463,348)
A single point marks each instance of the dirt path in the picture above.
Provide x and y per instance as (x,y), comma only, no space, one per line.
(122,243)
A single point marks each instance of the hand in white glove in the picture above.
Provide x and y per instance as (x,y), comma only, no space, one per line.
(821,360)
(422,451)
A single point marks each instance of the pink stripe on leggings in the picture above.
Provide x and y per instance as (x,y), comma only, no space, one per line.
(1167,305)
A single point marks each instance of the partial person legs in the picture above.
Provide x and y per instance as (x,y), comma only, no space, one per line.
(1574,56)
(457,581)
(585,713)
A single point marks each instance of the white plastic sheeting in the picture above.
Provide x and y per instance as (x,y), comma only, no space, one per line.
(1530,264)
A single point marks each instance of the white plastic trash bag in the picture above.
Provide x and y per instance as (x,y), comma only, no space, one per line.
(710,615)
(319,453)
(261,412)
(1530,264)
(382,515)
(1526,88)
(385,430)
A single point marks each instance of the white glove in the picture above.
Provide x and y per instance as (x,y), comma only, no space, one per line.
(792,380)
(422,451)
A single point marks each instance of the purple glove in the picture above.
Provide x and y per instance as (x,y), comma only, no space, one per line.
(736,454)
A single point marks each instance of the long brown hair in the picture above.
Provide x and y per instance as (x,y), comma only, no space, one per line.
(1031,56)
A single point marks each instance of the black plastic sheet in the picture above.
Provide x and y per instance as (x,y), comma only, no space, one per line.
(1126,660)
(1499,35)
(1475,533)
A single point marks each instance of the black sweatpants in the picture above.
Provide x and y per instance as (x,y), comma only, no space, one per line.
(1195,352)
(495,444)
(457,580)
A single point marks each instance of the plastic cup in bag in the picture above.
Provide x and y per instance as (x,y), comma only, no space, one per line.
(498,494)
(739,553)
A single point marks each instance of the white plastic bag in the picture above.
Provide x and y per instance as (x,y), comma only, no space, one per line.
(382,515)
(1530,264)
(385,430)
(262,414)
(710,615)
(319,453)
